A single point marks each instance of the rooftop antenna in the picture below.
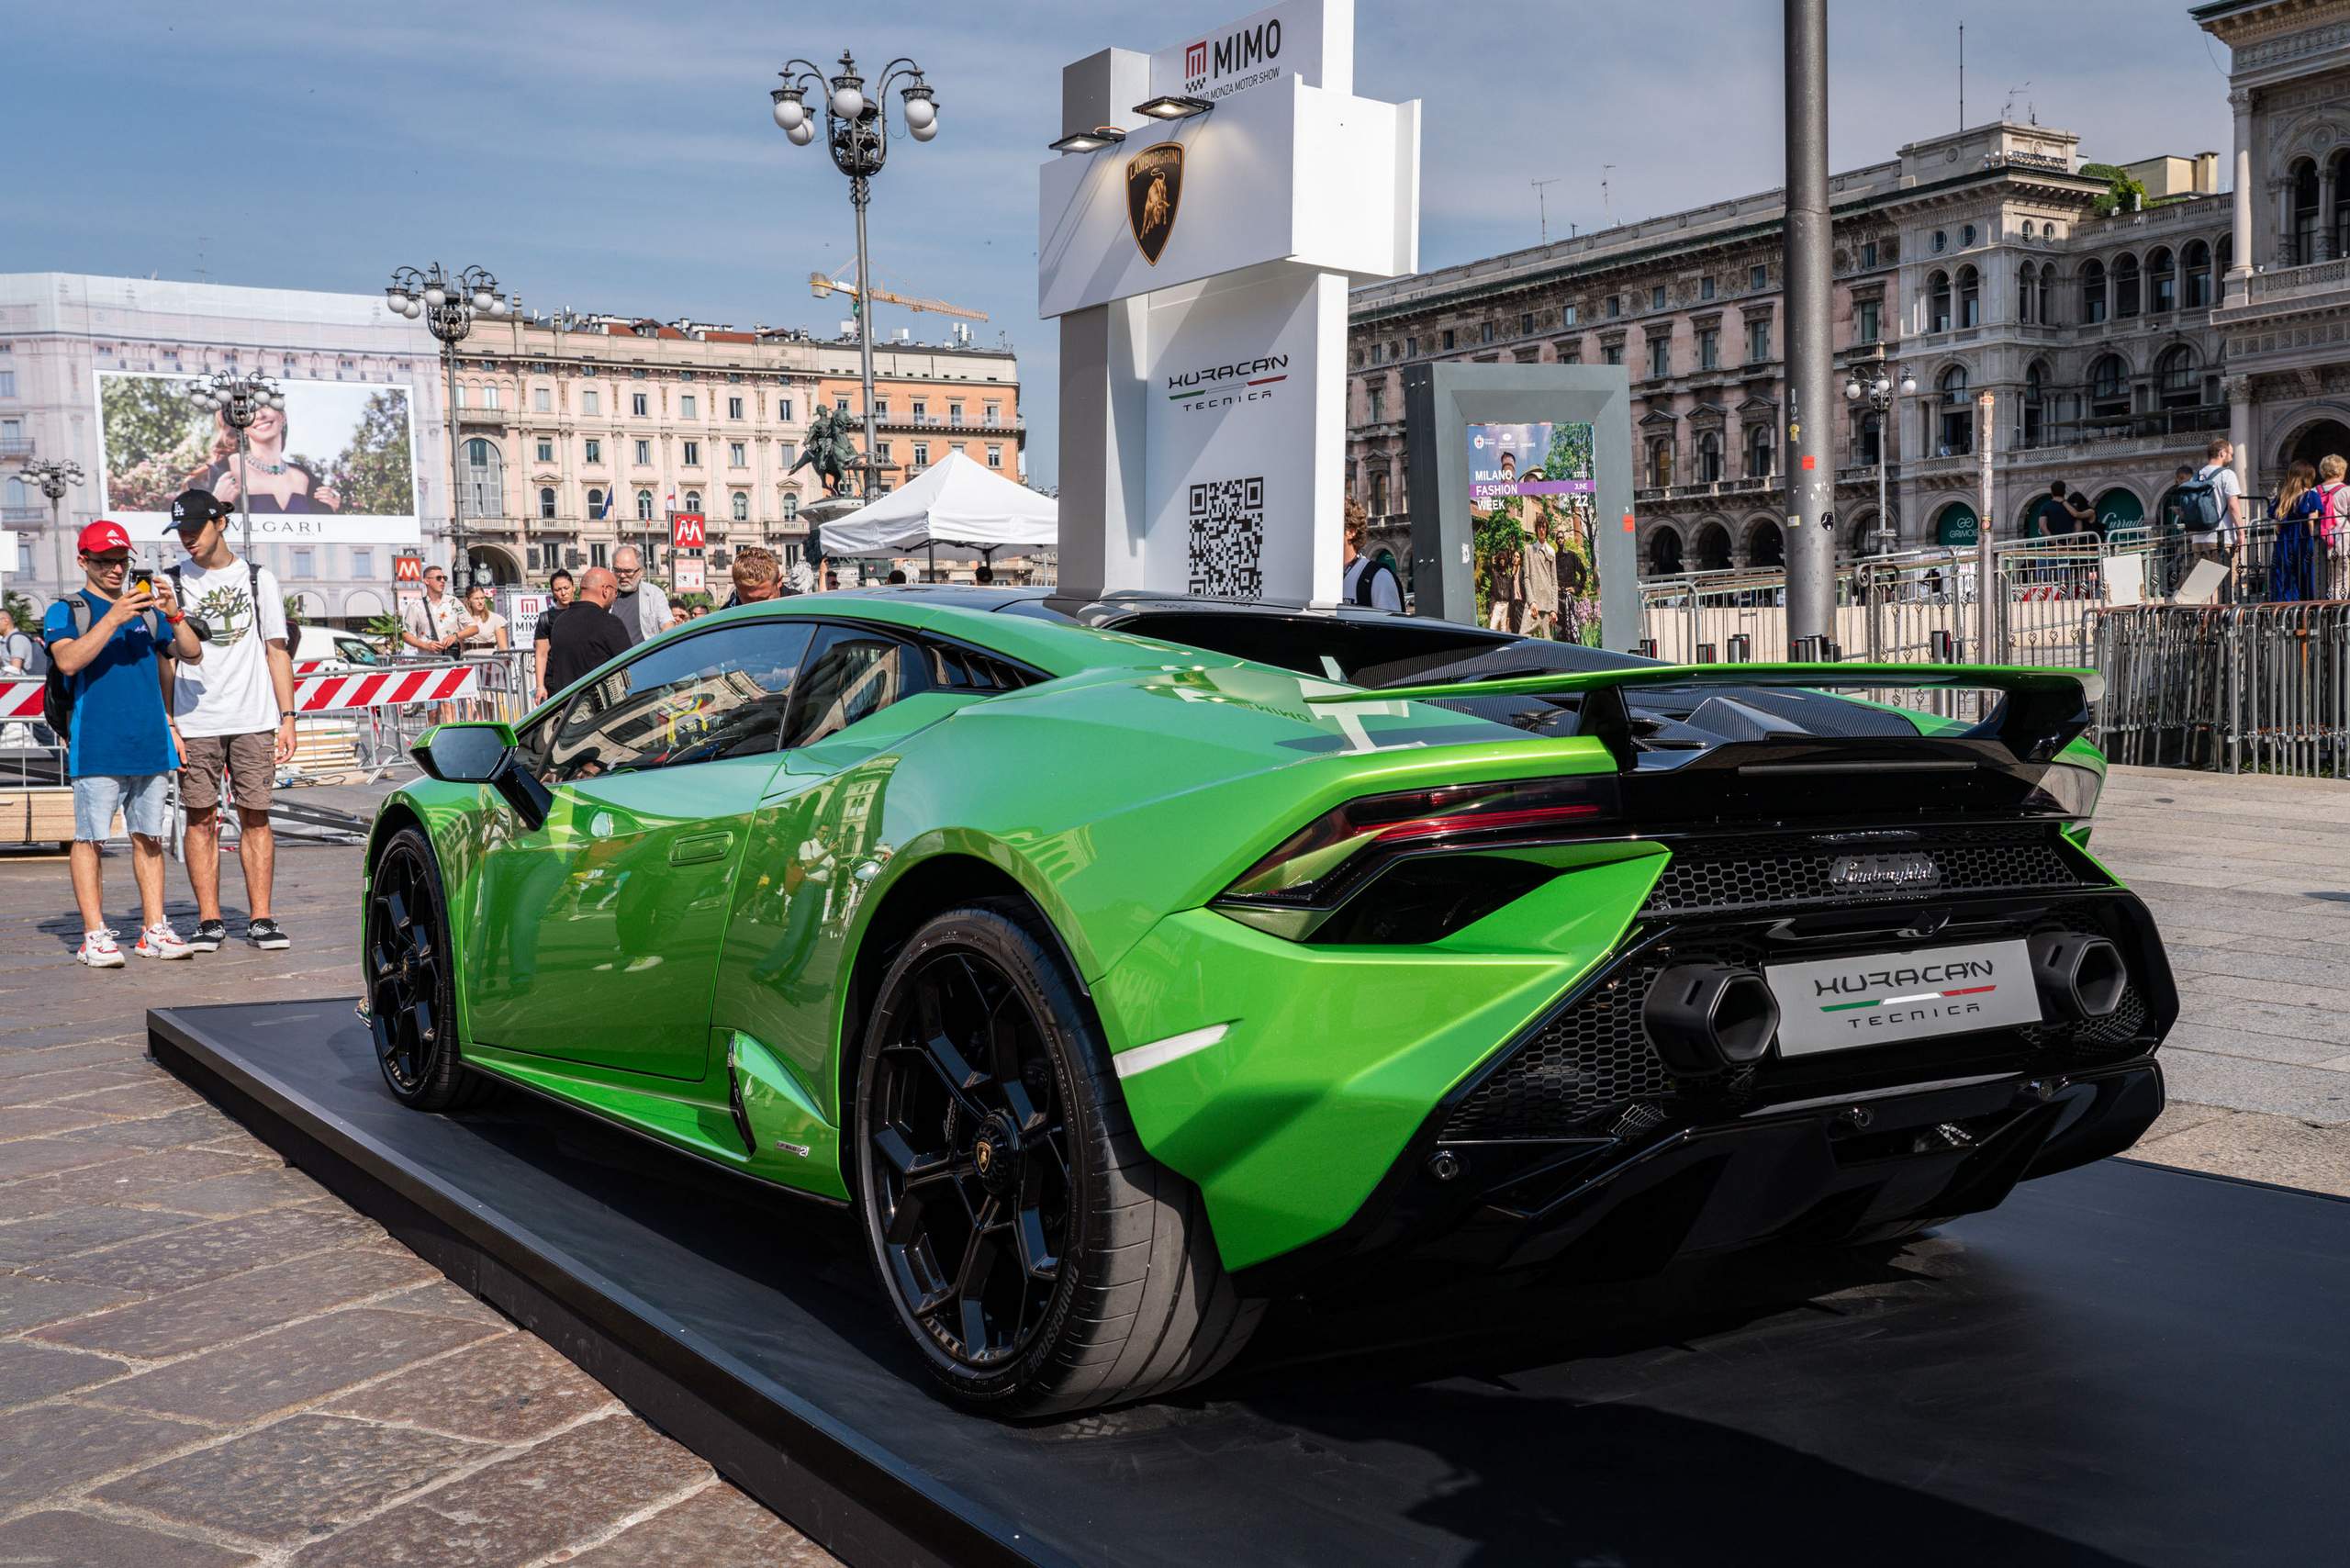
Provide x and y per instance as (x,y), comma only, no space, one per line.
(1961,76)
(1542,204)
(1605,200)
(203,276)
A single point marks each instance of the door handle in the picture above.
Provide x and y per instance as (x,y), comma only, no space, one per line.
(699,848)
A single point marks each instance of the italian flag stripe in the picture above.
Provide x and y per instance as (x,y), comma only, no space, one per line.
(1900,1001)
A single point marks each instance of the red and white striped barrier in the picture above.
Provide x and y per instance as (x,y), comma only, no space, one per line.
(20,695)
(385,688)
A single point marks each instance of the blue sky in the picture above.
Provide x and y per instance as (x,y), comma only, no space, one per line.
(620,157)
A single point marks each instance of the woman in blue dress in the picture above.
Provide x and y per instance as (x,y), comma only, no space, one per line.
(2293,562)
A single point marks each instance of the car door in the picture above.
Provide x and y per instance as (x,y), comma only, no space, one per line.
(598,934)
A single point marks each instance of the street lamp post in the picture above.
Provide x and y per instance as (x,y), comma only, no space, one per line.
(1879,390)
(856,129)
(54,476)
(448,302)
(239,397)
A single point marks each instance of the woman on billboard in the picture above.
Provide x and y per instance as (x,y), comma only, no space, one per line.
(276,483)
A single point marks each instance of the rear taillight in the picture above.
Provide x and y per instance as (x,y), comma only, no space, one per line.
(1317,867)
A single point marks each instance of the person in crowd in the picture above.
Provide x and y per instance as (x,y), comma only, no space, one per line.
(2294,568)
(559,590)
(2332,513)
(1541,580)
(19,655)
(1365,581)
(2217,542)
(643,608)
(485,628)
(758,576)
(277,484)
(1507,612)
(831,579)
(109,641)
(2057,513)
(233,714)
(985,576)
(587,633)
(2170,535)
(897,578)
(433,624)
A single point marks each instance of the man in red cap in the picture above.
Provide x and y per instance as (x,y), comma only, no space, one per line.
(107,644)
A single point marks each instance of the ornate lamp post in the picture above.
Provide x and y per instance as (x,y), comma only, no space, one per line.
(856,129)
(53,477)
(239,397)
(1878,388)
(448,303)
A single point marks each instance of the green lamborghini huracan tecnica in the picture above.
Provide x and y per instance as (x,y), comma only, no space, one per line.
(1125,964)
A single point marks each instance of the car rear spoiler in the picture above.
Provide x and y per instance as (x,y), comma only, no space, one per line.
(2039,712)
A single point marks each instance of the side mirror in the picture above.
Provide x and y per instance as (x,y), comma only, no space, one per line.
(483,754)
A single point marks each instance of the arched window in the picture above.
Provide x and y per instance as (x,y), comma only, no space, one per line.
(1766,545)
(741,506)
(2092,291)
(481,478)
(2051,312)
(2223,262)
(1970,297)
(2301,245)
(1713,548)
(1660,461)
(1378,492)
(2125,286)
(790,505)
(693,501)
(1957,413)
(2176,385)
(2162,281)
(644,506)
(595,502)
(1664,551)
(2108,386)
(1760,449)
(1937,303)
(1710,459)
(2196,263)
(2028,293)
(546,502)
(2034,424)
(18,498)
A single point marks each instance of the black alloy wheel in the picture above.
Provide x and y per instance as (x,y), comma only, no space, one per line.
(1036,1254)
(411,991)
(970,1158)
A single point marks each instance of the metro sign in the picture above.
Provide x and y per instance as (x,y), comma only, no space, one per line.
(408,569)
(688,531)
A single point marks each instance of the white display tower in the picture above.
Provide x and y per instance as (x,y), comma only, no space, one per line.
(1199,267)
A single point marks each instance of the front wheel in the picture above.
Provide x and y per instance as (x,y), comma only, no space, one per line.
(1040,1260)
(412,1004)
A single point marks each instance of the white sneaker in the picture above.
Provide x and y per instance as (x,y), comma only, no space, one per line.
(98,950)
(161,941)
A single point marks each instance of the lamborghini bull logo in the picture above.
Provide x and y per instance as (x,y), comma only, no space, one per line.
(1154,190)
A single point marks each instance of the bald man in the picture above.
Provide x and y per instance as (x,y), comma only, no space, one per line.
(588,635)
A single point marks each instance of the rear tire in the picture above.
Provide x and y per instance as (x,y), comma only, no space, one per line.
(1040,1260)
(411,979)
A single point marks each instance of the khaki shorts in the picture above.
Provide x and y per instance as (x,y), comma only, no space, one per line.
(251,762)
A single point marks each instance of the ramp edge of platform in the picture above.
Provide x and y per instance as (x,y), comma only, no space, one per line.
(841,1489)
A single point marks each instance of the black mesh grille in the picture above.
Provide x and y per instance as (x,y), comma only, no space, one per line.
(1791,870)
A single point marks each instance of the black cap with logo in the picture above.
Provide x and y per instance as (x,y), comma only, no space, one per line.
(193,509)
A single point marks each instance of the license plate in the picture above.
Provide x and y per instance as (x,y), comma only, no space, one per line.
(1891,999)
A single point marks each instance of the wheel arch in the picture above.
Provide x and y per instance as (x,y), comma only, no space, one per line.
(931,885)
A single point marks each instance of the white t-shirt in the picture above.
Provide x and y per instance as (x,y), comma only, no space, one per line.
(2224,484)
(1385,594)
(229,693)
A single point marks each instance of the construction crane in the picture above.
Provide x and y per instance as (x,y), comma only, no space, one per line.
(821,284)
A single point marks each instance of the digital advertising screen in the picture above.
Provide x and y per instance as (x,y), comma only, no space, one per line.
(1533,504)
(336,464)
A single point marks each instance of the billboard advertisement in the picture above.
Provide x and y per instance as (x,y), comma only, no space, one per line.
(337,466)
(1533,505)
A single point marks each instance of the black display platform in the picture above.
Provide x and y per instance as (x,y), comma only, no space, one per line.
(2125,1365)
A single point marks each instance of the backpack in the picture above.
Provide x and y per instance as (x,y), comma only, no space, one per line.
(2198,505)
(1369,578)
(2329,513)
(57,687)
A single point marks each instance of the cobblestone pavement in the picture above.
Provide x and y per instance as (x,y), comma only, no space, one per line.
(2249,879)
(207,1359)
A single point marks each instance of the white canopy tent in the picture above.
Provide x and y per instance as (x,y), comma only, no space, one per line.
(956,503)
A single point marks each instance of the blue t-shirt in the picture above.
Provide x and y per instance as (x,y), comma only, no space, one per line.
(119,726)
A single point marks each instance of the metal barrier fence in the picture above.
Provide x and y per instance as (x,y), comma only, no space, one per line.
(2242,688)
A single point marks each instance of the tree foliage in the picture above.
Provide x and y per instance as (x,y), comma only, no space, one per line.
(155,436)
(375,474)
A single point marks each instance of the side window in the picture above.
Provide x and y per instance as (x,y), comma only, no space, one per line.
(855,674)
(721,694)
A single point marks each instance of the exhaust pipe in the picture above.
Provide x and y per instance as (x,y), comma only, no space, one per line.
(2079,977)
(1706,1018)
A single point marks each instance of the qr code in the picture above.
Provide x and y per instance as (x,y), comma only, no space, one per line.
(1228,543)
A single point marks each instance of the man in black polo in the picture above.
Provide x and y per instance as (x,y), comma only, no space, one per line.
(587,634)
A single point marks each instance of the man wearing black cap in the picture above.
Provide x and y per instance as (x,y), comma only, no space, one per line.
(233,714)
